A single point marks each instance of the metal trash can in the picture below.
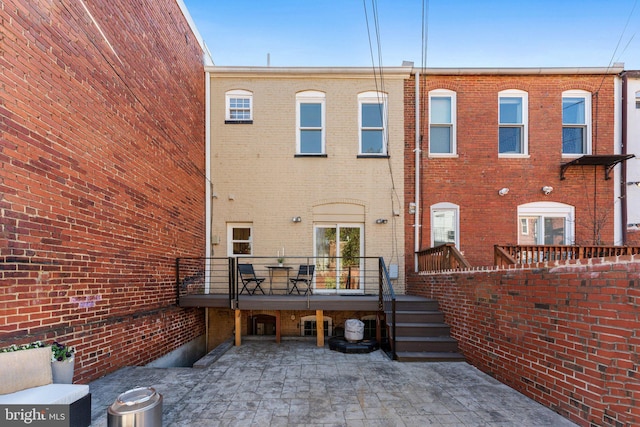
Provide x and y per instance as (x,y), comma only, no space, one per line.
(141,406)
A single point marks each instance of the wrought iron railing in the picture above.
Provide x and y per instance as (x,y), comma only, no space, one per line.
(386,307)
(529,254)
(442,257)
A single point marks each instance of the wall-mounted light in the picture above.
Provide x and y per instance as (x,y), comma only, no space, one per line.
(547,189)
(636,183)
(412,208)
(381,221)
(296,219)
(232,197)
(503,191)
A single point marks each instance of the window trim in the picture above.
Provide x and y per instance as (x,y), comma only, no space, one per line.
(550,209)
(373,97)
(311,97)
(230,241)
(524,96)
(445,93)
(449,207)
(576,93)
(238,94)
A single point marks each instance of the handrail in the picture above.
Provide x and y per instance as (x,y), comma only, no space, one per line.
(529,254)
(386,298)
(441,257)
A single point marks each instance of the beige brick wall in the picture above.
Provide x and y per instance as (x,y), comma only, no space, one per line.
(255,165)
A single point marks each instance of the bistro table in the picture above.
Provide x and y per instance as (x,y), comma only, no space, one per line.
(272,269)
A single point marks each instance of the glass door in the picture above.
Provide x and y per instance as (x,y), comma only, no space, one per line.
(338,251)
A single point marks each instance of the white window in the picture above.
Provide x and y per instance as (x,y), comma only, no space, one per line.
(512,123)
(310,107)
(239,106)
(638,99)
(445,224)
(442,122)
(239,239)
(546,223)
(576,122)
(372,119)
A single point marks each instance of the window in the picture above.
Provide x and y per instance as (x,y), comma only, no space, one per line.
(546,223)
(576,118)
(638,99)
(308,326)
(512,118)
(442,115)
(445,224)
(372,118)
(239,106)
(310,122)
(239,239)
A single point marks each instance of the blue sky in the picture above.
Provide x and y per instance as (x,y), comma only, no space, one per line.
(463,33)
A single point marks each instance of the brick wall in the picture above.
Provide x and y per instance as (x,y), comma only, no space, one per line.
(101,177)
(472,179)
(564,335)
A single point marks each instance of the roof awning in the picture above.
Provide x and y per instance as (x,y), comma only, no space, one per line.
(606,160)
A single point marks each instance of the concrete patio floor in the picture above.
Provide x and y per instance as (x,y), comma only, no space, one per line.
(296,383)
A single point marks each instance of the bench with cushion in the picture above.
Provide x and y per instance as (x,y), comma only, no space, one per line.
(25,379)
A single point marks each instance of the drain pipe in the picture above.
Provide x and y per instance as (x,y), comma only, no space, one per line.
(416,214)
(623,178)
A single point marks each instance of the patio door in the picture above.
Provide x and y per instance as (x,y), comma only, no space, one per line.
(338,250)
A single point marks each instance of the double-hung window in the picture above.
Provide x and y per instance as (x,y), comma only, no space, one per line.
(239,106)
(310,107)
(372,118)
(512,118)
(239,239)
(576,122)
(442,126)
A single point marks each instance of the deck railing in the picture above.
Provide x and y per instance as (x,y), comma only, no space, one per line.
(529,254)
(386,307)
(442,257)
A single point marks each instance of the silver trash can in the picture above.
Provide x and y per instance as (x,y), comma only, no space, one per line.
(137,407)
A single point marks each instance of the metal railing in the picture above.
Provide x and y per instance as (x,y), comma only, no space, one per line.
(442,257)
(529,254)
(386,305)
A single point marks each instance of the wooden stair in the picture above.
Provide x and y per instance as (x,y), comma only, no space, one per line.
(421,334)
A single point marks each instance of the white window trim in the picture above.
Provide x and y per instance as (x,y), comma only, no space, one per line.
(516,93)
(311,96)
(230,241)
(441,93)
(238,93)
(552,209)
(587,117)
(373,97)
(446,206)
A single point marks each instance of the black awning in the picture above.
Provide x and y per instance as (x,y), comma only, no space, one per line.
(606,160)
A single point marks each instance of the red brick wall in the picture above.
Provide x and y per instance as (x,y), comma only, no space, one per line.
(472,180)
(101,177)
(566,336)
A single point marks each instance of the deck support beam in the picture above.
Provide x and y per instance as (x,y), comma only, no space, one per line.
(320,327)
(238,340)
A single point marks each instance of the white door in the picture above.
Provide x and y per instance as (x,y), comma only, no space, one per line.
(338,250)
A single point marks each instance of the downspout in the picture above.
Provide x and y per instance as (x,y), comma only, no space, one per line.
(416,215)
(208,191)
(623,170)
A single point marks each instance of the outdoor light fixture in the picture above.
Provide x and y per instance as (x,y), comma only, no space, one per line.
(381,221)
(547,189)
(636,183)
(296,219)
(503,191)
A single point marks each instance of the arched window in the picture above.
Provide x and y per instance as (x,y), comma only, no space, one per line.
(513,116)
(445,224)
(546,223)
(576,122)
(308,327)
(239,106)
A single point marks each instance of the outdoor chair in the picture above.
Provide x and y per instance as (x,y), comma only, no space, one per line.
(305,276)
(250,282)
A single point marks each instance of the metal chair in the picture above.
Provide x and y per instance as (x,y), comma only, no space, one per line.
(305,276)
(250,282)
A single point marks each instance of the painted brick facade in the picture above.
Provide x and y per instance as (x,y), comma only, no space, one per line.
(564,335)
(101,177)
(472,178)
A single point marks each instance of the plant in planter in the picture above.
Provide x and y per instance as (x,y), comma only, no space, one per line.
(14,347)
(62,363)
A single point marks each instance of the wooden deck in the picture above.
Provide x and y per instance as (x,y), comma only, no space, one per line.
(286,302)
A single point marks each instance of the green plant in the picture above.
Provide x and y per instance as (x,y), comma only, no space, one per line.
(61,352)
(280,260)
(14,347)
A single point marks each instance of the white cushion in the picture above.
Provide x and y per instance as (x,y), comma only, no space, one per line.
(50,394)
(24,369)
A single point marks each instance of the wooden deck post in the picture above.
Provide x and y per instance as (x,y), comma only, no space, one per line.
(320,328)
(278,326)
(238,327)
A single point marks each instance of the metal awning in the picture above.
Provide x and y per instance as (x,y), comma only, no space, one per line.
(606,160)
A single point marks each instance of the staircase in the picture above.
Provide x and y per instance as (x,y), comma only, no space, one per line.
(421,334)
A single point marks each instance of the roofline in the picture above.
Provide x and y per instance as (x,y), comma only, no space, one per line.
(406,71)
(207,60)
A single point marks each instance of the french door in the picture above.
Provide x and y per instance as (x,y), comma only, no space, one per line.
(338,250)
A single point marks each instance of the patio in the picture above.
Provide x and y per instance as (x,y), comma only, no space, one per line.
(297,383)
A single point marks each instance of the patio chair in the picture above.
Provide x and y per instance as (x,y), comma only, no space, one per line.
(250,282)
(305,276)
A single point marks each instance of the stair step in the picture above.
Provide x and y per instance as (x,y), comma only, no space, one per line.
(428,316)
(429,356)
(421,329)
(426,344)
(417,305)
